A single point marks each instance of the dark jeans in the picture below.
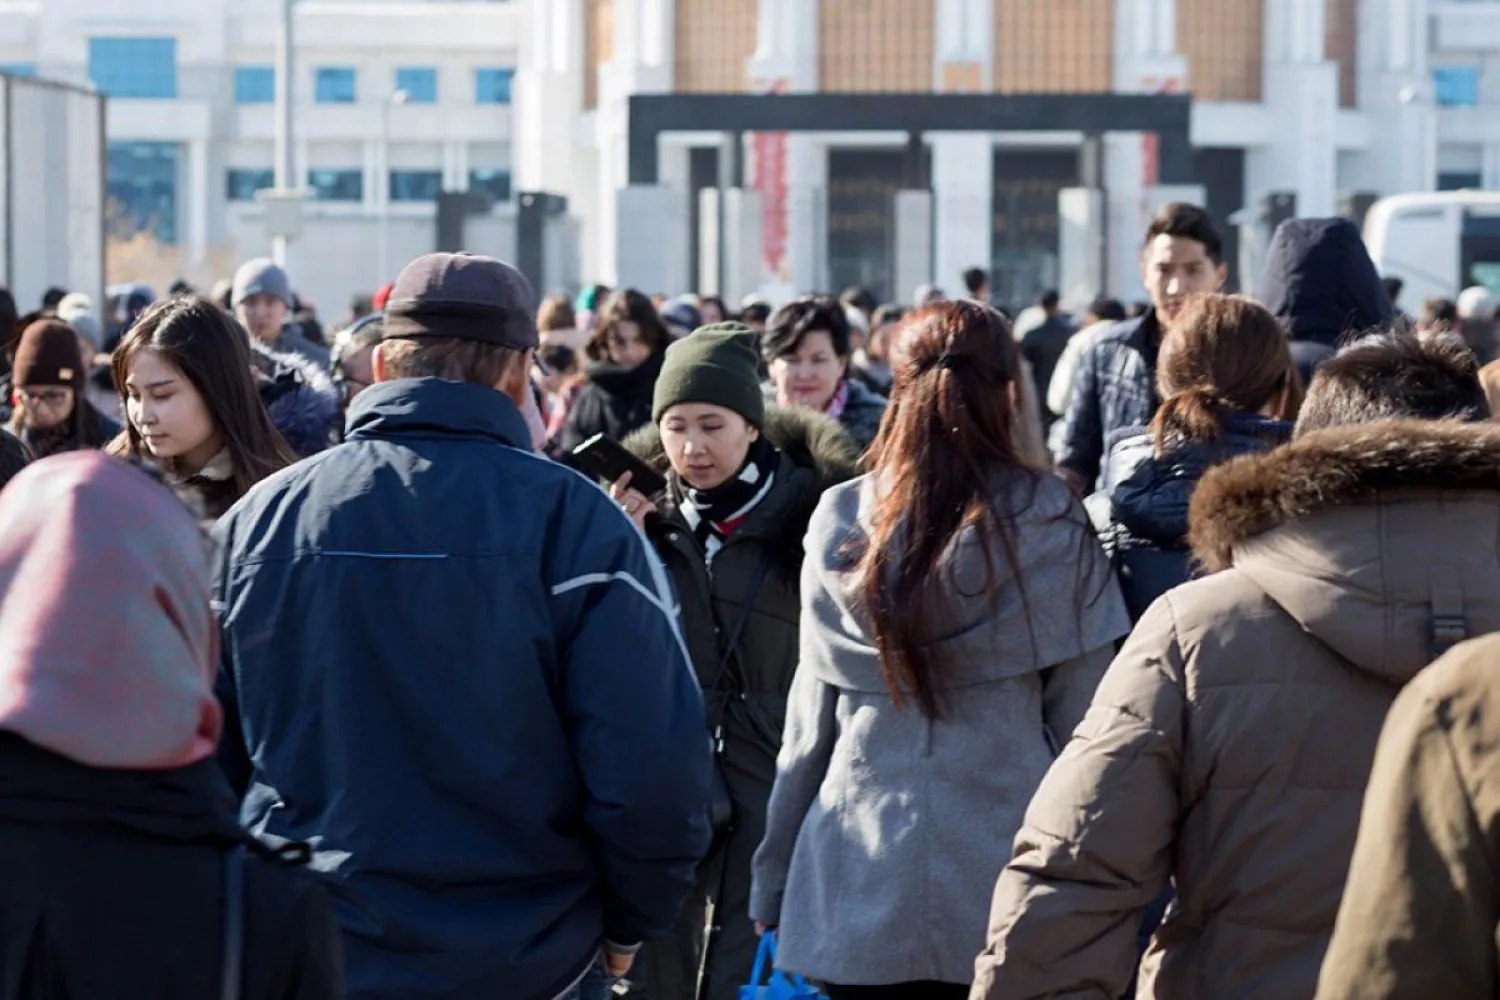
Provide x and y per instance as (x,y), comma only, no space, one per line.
(595,984)
(924,990)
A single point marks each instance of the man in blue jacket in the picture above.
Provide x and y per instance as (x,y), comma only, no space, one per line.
(453,669)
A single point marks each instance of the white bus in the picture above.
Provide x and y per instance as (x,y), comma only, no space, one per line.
(1438,243)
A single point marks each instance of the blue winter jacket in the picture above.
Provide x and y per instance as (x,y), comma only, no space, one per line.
(1141,512)
(453,669)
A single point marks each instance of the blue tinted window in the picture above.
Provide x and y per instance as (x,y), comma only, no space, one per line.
(1456,86)
(419,82)
(1459,180)
(134,67)
(18,69)
(492,86)
(254,84)
(143,189)
(495,183)
(416,185)
(334,85)
(242,183)
(337,185)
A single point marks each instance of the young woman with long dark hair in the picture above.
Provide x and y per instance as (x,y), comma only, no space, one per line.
(192,406)
(957,614)
(625,355)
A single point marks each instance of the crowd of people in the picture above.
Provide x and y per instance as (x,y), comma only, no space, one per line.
(948,654)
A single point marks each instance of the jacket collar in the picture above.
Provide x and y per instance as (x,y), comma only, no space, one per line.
(1337,467)
(435,407)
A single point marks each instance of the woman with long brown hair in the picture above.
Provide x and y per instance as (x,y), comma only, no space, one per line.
(1229,386)
(957,614)
(625,354)
(192,406)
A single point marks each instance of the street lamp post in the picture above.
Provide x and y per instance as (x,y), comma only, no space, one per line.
(383,186)
(286,151)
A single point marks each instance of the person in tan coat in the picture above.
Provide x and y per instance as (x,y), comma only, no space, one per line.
(1229,744)
(1419,915)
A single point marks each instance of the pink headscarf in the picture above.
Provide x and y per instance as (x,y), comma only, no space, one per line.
(107,639)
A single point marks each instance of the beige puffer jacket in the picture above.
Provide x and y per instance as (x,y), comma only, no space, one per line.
(1229,744)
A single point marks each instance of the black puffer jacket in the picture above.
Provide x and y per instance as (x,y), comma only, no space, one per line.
(615,402)
(1141,513)
(1320,282)
(749,698)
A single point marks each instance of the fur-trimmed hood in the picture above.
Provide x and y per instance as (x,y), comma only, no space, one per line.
(300,396)
(819,447)
(810,439)
(1367,535)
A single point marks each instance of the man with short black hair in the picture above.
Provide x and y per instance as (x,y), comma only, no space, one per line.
(454,668)
(1043,346)
(977,283)
(1116,386)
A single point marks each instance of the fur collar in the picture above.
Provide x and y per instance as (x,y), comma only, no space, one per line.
(810,439)
(1345,465)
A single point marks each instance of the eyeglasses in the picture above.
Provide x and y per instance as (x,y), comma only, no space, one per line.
(51,398)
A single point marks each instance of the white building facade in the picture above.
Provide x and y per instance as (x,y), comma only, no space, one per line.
(1325,100)
(191,86)
(1319,99)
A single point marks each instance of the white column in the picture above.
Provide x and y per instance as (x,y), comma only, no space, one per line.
(641,63)
(963,180)
(199,198)
(789,169)
(1301,93)
(1395,94)
(965,35)
(1146,62)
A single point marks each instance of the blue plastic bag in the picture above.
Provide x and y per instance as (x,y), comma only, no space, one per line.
(780,985)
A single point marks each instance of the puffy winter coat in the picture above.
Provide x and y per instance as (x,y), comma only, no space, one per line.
(1229,745)
(299,395)
(615,402)
(451,665)
(749,698)
(1115,390)
(883,821)
(1142,512)
(1319,281)
(1419,913)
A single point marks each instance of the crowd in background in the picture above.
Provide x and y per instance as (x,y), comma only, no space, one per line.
(944,652)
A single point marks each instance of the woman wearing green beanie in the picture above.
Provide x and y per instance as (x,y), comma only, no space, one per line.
(743,480)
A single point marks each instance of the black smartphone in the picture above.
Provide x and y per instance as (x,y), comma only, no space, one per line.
(606,459)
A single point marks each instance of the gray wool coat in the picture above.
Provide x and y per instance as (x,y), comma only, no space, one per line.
(887,830)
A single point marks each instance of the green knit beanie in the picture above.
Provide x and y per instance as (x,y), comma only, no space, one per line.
(716,364)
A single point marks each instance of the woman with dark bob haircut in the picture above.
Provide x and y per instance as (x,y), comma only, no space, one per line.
(807,350)
(625,355)
(192,405)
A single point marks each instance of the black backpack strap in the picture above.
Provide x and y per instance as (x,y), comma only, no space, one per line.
(729,640)
(234,924)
